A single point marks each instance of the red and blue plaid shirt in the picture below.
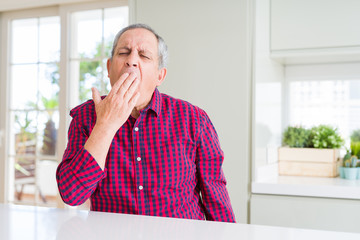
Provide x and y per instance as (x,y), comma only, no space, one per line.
(157,164)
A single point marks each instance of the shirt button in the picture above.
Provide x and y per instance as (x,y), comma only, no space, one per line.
(138,159)
(141,187)
(136,129)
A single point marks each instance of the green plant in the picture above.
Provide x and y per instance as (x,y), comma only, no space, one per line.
(87,70)
(296,137)
(355,149)
(325,136)
(355,136)
(92,69)
(26,132)
(353,162)
(347,155)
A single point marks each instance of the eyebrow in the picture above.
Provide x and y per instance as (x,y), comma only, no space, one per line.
(124,48)
(144,51)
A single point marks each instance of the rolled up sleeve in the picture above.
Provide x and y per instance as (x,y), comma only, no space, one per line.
(78,174)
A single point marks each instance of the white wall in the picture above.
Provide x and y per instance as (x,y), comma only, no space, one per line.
(268,97)
(210,66)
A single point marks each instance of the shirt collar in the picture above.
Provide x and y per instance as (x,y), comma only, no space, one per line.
(155,103)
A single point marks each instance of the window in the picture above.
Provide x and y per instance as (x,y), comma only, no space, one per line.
(331,102)
(93,32)
(33,109)
(55,56)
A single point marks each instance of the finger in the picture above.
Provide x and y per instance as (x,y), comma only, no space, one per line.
(96,96)
(118,83)
(125,86)
(130,92)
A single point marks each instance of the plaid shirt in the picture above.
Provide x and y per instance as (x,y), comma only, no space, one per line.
(156,165)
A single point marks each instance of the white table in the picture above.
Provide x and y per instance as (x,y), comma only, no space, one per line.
(27,222)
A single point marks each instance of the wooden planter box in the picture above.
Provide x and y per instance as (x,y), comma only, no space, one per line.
(309,162)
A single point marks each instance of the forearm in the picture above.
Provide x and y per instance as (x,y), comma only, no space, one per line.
(77,177)
(111,113)
(83,165)
(98,143)
(216,201)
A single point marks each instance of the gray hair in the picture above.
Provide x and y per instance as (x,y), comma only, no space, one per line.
(162,48)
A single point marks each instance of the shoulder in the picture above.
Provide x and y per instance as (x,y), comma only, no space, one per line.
(181,106)
(84,112)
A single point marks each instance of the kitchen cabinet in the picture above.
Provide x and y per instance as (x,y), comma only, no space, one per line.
(305,212)
(310,31)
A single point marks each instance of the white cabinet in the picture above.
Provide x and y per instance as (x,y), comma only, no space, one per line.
(310,31)
(305,212)
(310,24)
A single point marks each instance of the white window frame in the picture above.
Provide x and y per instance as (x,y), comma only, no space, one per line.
(5,81)
(63,11)
(64,96)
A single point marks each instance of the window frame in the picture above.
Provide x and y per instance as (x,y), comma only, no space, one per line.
(6,19)
(64,12)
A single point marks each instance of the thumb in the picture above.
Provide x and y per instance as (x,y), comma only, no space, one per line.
(96,96)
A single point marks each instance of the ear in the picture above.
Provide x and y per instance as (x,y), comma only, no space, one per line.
(108,65)
(161,77)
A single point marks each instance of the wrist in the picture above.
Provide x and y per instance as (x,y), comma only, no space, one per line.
(105,130)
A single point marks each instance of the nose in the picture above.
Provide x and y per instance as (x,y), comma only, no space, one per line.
(131,61)
(130,64)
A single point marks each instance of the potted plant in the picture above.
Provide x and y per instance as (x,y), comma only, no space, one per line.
(350,168)
(325,136)
(297,137)
(310,152)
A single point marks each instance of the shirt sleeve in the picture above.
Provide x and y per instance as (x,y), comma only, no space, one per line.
(78,174)
(212,182)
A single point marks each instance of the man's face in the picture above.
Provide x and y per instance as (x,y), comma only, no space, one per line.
(137,52)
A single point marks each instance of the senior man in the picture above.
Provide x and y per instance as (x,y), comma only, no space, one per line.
(139,151)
